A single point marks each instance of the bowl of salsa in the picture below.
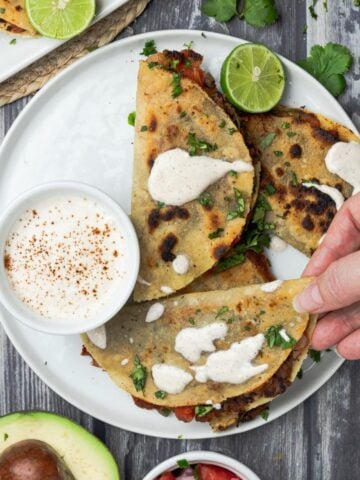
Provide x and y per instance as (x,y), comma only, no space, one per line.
(201,465)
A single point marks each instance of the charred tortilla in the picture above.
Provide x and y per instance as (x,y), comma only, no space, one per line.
(252,310)
(13,18)
(163,123)
(293,145)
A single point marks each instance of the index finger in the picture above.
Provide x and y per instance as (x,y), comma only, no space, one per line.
(342,238)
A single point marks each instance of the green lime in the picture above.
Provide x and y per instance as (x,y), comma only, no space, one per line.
(253,78)
(61,19)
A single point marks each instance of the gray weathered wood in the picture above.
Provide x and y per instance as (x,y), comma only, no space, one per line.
(317,440)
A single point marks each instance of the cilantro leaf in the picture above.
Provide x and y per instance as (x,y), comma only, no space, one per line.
(149,48)
(328,64)
(202,410)
(260,13)
(139,375)
(315,355)
(221,10)
(132,118)
(198,146)
(265,414)
(176,84)
(183,463)
(230,262)
(267,140)
(276,336)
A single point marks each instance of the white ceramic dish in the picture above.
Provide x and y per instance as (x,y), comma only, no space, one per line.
(211,458)
(15,57)
(131,258)
(76,129)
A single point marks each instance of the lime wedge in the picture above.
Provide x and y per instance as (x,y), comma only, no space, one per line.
(253,78)
(61,19)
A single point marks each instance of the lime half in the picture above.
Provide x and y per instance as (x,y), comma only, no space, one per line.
(61,19)
(253,78)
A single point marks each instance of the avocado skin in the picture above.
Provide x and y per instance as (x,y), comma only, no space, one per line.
(33,460)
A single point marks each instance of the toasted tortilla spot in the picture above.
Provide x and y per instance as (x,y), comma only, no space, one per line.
(279,172)
(166,247)
(220,251)
(327,136)
(306,117)
(295,151)
(307,223)
(172,131)
(153,219)
(152,123)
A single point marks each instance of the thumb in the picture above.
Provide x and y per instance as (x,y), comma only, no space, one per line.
(337,287)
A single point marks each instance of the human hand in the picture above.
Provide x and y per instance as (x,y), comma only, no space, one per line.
(336,289)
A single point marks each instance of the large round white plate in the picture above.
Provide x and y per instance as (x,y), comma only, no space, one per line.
(76,128)
(26,50)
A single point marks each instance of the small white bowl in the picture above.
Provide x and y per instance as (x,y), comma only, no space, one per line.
(210,458)
(132,257)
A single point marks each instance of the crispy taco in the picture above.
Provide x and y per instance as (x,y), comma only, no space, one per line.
(293,145)
(175,114)
(217,356)
(13,18)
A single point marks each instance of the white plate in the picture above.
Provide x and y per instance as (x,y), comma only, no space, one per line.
(76,128)
(26,50)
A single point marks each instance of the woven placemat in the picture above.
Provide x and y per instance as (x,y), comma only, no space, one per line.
(37,74)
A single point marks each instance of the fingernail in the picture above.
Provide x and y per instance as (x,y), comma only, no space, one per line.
(309,300)
(338,354)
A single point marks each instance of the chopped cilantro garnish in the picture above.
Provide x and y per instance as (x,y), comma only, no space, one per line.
(329,64)
(267,140)
(139,375)
(144,128)
(189,45)
(173,64)
(230,262)
(285,125)
(270,189)
(275,339)
(132,118)
(2,10)
(231,131)
(188,62)
(300,374)
(165,412)
(265,414)
(92,48)
(291,134)
(152,65)
(204,36)
(216,233)
(183,463)
(222,124)
(240,206)
(278,153)
(205,199)
(13,41)
(183,114)
(260,13)
(293,179)
(202,410)
(232,173)
(176,84)
(221,311)
(315,355)
(160,205)
(6,435)
(149,48)
(199,146)
(191,321)
(160,394)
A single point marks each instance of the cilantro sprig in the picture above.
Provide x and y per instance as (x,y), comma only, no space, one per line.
(275,339)
(139,375)
(328,64)
(149,48)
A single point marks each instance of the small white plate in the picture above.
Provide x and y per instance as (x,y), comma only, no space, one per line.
(76,129)
(15,57)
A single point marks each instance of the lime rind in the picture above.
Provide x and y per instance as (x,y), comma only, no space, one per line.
(60,19)
(253,78)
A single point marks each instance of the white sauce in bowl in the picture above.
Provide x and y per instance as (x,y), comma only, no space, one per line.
(64,257)
(177,178)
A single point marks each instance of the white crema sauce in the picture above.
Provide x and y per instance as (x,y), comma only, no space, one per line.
(65,259)
(271,286)
(169,378)
(343,159)
(191,342)
(233,365)
(177,178)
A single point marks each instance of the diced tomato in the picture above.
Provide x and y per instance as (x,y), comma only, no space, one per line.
(167,476)
(212,472)
(185,414)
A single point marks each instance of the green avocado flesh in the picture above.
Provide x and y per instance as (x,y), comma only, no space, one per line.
(84,455)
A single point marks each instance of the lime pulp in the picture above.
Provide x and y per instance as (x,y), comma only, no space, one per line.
(253,78)
(60,19)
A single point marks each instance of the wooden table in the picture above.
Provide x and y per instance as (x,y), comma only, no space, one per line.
(320,438)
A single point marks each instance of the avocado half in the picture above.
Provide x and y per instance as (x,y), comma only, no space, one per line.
(84,454)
